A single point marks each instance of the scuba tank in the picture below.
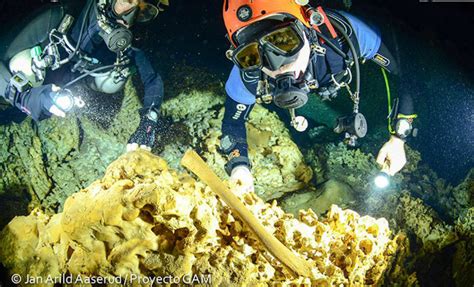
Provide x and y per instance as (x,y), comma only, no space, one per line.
(20,55)
(22,62)
(109,82)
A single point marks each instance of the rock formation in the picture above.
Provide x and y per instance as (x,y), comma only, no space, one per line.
(146,219)
(278,164)
(43,164)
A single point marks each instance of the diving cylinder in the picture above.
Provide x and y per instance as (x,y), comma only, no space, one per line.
(109,82)
(23,62)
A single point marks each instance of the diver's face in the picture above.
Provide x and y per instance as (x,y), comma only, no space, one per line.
(298,67)
(123,7)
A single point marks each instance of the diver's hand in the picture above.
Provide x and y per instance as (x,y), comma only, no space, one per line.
(135,146)
(392,156)
(242,178)
(40,102)
(145,135)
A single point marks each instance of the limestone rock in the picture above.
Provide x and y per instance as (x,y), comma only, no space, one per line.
(57,157)
(21,164)
(278,164)
(451,202)
(463,262)
(351,166)
(465,223)
(319,200)
(433,233)
(145,219)
(62,156)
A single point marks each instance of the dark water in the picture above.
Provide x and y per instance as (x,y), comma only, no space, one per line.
(433,41)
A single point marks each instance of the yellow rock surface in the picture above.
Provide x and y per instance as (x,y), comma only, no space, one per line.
(144,219)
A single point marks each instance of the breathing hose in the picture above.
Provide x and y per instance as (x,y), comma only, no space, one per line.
(91,72)
(83,25)
(353,51)
(76,50)
(389,100)
(331,44)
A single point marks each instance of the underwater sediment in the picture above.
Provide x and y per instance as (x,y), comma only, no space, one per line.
(147,216)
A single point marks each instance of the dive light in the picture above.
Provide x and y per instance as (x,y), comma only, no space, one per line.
(65,100)
(382,180)
(354,126)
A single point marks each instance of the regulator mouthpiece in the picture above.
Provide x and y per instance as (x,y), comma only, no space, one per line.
(354,124)
(118,40)
(287,95)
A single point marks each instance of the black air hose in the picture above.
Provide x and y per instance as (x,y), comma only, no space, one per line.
(352,48)
(83,25)
(91,72)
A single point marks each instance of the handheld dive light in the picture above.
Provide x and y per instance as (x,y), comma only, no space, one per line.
(382,180)
(65,100)
(353,126)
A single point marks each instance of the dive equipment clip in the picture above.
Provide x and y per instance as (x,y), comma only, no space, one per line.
(263,92)
(299,123)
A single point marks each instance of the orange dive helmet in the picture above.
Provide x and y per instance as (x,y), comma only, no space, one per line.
(239,14)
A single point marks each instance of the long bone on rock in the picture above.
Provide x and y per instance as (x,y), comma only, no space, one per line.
(192,161)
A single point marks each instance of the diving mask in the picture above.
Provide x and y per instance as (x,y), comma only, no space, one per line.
(272,50)
(141,12)
(114,26)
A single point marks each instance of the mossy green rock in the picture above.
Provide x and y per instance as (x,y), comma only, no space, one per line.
(56,157)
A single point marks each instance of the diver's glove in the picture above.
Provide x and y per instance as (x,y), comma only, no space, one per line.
(242,178)
(145,135)
(39,102)
(392,155)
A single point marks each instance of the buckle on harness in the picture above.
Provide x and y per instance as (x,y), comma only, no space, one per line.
(263,92)
(312,84)
(318,49)
(265,99)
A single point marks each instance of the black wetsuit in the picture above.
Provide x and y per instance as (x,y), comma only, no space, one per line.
(241,87)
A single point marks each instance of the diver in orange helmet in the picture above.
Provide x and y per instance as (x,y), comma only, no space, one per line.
(284,49)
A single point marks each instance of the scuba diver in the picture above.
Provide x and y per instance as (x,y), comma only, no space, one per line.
(97,47)
(284,49)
